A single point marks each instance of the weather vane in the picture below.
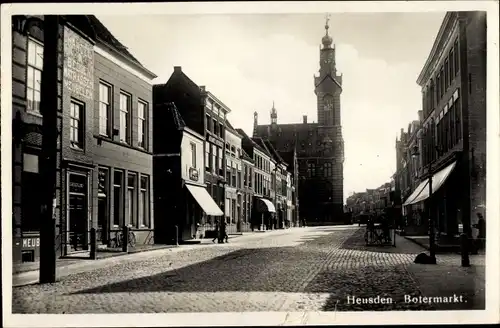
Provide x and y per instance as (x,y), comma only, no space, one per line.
(327,17)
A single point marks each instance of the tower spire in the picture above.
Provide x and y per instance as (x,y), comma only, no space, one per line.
(327,39)
(274,115)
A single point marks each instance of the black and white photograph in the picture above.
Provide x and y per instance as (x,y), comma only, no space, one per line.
(250,163)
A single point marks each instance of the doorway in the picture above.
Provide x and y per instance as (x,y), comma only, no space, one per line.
(78,222)
(102,207)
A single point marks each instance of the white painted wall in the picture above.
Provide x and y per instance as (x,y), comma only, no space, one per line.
(186,159)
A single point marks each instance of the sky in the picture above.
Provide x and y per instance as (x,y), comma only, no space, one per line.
(249,61)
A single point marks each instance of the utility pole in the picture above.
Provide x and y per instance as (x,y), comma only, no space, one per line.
(48,105)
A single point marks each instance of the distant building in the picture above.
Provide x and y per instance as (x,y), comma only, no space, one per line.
(234,167)
(263,209)
(247,190)
(319,146)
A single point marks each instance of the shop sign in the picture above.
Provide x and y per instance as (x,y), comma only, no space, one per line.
(193,174)
(214,140)
(77,184)
(31,242)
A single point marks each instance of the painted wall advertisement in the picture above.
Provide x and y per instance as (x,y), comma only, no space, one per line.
(78,65)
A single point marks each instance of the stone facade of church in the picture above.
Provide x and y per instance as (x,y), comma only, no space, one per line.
(319,146)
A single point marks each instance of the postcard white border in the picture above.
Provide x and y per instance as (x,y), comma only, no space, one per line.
(259,318)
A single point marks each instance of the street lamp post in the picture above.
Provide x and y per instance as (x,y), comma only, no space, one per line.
(430,217)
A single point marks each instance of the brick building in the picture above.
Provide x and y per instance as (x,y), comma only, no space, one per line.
(203,113)
(319,146)
(104,161)
(453,82)
(181,196)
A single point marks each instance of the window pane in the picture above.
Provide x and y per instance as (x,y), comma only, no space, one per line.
(38,80)
(144,182)
(131,181)
(118,178)
(39,56)
(31,53)
(31,77)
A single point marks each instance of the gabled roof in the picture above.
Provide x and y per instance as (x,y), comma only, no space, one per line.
(175,116)
(232,129)
(245,137)
(104,36)
(273,152)
(262,146)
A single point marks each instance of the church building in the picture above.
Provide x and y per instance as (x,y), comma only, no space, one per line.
(319,146)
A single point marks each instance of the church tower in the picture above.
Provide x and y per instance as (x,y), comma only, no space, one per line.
(328,85)
(328,88)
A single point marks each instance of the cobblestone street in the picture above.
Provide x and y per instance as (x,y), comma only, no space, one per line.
(300,269)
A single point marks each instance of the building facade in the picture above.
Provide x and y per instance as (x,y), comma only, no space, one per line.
(203,113)
(262,207)
(247,190)
(182,202)
(94,137)
(453,82)
(234,179)
(319,146)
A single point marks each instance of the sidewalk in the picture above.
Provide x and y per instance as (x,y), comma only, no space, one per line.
(441,248)
(27,274)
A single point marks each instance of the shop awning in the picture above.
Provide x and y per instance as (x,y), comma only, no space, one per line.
(266,205)
(422,191)
(203,198)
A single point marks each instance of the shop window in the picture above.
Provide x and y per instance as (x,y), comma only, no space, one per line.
(102,201)
(118,197)
(143,202)
(131,214)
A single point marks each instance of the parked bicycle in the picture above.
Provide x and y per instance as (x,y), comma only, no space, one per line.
(118,240)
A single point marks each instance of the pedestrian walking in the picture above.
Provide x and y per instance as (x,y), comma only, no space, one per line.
(217,228)
(222,232)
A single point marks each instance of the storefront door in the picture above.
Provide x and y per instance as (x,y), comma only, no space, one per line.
(78,223)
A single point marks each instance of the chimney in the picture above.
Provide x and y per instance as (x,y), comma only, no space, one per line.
(177,69)
(304,119)
(420,115)
(202,88)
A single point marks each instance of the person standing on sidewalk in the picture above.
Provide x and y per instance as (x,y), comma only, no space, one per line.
(222,232)
(217,228)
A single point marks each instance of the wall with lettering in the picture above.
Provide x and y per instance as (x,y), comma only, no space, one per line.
(78,86)
(78,65)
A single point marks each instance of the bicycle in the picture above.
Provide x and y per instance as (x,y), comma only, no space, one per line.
(118,240)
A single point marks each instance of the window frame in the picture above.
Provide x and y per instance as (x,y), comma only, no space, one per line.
(192,146)
(143,222)
(121,188)
(80,127)
(109,106)
(127,114)
(132,201)
(32,90)
(142,124)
